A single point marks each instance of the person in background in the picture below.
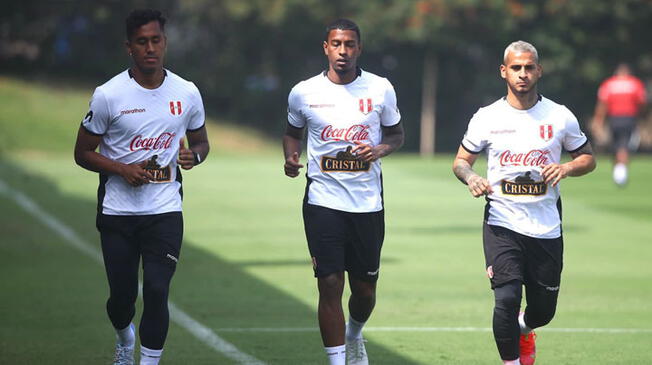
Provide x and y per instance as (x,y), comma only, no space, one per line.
(621,100)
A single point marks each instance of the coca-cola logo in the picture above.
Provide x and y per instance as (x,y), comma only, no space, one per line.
(356,132)
(532,158)
(152,143)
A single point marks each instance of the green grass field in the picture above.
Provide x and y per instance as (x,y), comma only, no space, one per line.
(245,271)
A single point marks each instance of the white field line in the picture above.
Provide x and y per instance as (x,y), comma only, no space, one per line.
(201,332)
(441,329)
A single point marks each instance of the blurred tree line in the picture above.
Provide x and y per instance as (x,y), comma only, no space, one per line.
(441,55)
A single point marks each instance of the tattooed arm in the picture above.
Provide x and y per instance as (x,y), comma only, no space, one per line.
(462,168)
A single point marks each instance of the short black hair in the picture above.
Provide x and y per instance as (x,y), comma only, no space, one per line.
(342,24)
(140,17)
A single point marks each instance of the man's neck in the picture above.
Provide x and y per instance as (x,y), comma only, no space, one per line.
(342,78)
(522,101)
(148,80)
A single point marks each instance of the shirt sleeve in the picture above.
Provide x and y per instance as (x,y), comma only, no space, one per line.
(390,114)
(574,138)
(98,118)
(295,104)
(475,139)
(198,115)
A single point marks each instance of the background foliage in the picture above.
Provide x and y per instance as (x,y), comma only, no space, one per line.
(245,55)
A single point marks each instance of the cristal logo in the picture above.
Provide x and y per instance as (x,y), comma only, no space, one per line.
(532,158)
(154,143)
(356,132)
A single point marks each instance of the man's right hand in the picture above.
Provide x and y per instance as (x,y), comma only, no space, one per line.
(478,186)
(292,165)
(135,174)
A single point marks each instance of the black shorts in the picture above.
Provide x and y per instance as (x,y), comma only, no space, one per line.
(513,256)
(340,241)
(622,129)
(156,237)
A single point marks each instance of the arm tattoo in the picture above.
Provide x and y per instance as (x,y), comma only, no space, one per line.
(463,171)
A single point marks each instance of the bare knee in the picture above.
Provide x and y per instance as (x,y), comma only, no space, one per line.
(331,287)
(363,290)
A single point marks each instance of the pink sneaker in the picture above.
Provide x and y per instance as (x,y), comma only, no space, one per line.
(528,348)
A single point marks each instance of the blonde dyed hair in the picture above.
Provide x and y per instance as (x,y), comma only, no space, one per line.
(523,47)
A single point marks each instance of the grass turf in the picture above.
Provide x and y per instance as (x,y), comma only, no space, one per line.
(245,263)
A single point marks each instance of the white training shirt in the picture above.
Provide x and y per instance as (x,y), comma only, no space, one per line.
(135,124)
(518,144)
(336,116)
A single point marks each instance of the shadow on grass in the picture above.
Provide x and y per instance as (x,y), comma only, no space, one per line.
(465,229)
(273,263)
(215,292)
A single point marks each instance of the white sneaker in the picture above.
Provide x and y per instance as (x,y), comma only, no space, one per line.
(124,355)
(620,174)
(356,354)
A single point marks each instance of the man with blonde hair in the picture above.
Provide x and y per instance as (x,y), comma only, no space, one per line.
(523,135)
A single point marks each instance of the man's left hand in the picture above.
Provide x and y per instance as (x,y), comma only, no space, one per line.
(365,152)
(186,156)
(553,173)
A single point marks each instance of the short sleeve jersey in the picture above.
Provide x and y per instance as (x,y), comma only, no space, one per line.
(336,117)
(518,144)
(623,95)
(138,124)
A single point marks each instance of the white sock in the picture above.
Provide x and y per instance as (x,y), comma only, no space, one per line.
(521,323)
(149,356)
(512,362)
(620,174)
(127,335)
(336,355)
(353,329)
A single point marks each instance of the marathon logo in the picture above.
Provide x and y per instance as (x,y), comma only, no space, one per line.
(132,111)
(161,174)
(344,161)
(524,185)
